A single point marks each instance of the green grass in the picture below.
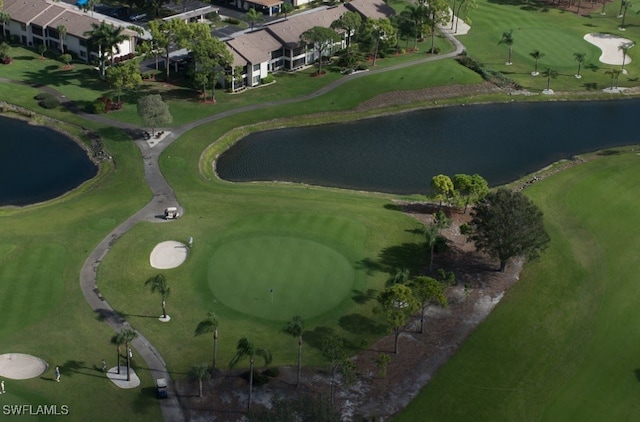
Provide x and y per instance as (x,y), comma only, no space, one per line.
(556,33)
(558,346)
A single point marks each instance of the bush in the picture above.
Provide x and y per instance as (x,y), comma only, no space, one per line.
(441,245)
(43,96)
(258,378)
(98,106)
(362,66)
(268,79)
(465,229)
(66,58)
(233,21)
(271,372)
(49,102)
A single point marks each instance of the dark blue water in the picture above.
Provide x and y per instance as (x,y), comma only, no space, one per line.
(401,153)
(38,163)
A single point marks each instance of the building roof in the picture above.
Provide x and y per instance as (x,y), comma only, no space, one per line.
(289,31)
(267,3)
(371,9)
(47,14)
(255,46)
(238,60)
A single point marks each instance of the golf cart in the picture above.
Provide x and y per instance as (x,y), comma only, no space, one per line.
(161,388)
(171,213)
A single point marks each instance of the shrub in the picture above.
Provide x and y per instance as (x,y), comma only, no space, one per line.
(98,106)
(65,58)
(49,102)
(465,229)
(258,378)
(268,79)
(271,372)
(362,66)
(441,245)
(233,21)
(43,95)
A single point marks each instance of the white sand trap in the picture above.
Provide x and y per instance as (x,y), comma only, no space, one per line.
(169,254)
(609,44)
(20,366)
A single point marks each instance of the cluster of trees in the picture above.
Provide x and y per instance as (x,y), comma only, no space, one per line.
(460,191)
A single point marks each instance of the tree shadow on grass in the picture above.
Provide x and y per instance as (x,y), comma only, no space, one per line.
(146,399)
(359,324)
(361,297)
(72,367)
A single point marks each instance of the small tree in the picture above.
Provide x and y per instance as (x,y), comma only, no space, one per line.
(624,47)
(5,18)
(507,39)
(397,304)
(210,325)
(153,111)
(537,55)
(124,76)
(286,8)
(41,50)
(443,187)
(295,328)
(507,224)
(425,290)
(615,73)
(158,284)
(339,363)
(201,373)
(579,58)
(253,16)
(321,39)
(382,361)
(246,349)
(66,59)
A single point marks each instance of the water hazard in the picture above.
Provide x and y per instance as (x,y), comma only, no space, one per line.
(401,153)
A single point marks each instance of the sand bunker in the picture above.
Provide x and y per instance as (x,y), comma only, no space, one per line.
(169,254)
(610,46)
(19,366)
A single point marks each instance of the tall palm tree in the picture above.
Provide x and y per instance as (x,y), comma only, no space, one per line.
(118,341)
(210,325)
(624,47)
(107,38)
(431,234)
(614,77)
(246,349)
(579,58)
(537,55)
(252,16)
(625,6)
(549,73)
(62,33)
(295,328)
(507,39)
(5,18)
(158,284)
(417,14)
(128,335)
(201,373)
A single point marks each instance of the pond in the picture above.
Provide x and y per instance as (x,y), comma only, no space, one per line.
(401,153)
(38,163)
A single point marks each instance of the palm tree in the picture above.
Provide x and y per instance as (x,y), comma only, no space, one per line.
(614,77)
(5,18)
(286,8)
(128,335)
(295,328)
(417,14)
(158,284)
(201,373)
(624,47)
(549,73)
(625,5)
(107,38)
(245,349)
(252,16)
(118,341)
(62,32)
(507,39)
(431,233)
(579,58)
(210,325)
(537,55)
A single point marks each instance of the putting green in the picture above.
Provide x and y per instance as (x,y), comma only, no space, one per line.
(277,277)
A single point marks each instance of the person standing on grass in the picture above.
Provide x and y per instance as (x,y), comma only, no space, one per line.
(104,366)
(2,387)
(57,374)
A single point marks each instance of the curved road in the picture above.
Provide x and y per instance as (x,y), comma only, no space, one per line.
(164,196)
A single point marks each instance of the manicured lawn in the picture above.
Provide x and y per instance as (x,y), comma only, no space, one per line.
(561,344)
(556,33)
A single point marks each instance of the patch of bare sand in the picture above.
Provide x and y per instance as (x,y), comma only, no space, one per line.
(20,366)
(169,254)
(610,46)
